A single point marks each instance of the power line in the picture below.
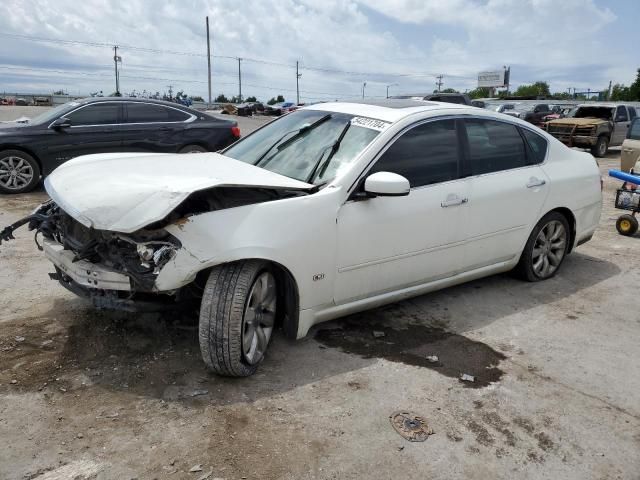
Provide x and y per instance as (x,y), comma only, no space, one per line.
(174,80)
(247,59)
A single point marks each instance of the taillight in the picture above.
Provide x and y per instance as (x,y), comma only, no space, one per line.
(235,131)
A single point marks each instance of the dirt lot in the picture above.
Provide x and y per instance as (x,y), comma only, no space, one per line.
(88,394)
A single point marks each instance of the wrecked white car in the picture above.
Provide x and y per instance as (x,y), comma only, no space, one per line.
(330,210)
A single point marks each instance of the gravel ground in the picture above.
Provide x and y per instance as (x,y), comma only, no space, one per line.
(88,394)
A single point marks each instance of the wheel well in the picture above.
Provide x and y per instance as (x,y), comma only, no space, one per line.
(25,150)
(571,219)
(288,302)
(200,144)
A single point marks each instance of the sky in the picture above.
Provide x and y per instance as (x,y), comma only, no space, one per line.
(340,45)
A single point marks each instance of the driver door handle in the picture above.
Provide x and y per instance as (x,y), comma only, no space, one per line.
(453,200)
(535,182)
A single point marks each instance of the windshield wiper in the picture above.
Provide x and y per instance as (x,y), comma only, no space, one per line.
(320,167)
(298,133)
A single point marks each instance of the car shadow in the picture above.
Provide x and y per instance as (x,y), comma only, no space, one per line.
(157,355)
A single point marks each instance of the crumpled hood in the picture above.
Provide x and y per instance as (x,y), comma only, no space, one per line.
(124,192)
(578,121)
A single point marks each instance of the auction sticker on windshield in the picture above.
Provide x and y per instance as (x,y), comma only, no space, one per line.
(371,123)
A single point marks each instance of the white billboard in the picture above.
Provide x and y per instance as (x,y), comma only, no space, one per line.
(491,79)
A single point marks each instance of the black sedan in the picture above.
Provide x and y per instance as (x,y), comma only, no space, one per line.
(35,148)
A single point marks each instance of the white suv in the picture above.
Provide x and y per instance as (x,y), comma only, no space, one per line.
(333,209)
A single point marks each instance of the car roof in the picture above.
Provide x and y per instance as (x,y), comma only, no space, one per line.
(89,100)
(388,110)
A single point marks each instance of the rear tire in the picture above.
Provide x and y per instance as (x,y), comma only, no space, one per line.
(601,147)
(627,225)
(237,317)
(193,149)
(19,172)
(545,249)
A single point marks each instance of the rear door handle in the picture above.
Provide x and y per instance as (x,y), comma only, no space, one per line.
(535,182)
(453,200)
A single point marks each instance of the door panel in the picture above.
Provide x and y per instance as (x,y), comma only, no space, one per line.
(503,208)
(387,243)
(152,128)
(620,126)
(94,128)
(507,189)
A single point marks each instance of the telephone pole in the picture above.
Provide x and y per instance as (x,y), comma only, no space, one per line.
(239,82)
(208,61)
(117,59)
(298,75)
(170,87)
(439,82)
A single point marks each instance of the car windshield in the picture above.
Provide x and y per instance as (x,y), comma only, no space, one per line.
(51,115)
(312,146)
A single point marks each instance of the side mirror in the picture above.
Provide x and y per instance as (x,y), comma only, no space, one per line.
(386,184)
(62,122)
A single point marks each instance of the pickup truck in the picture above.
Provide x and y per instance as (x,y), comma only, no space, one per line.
(594,126)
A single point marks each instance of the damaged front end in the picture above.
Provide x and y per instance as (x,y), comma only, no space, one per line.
(112,269)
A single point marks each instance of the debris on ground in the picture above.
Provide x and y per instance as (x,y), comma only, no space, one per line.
(467,378)
(432,358)
(378,334)
(14,381)
(19,339)
(196,468)
(410,426)
(197,393)
(206,475)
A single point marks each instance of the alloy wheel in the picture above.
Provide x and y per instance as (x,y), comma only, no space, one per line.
(259,318)
(15,172)
(549,249)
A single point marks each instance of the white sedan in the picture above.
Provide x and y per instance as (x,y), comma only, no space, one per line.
(333,209)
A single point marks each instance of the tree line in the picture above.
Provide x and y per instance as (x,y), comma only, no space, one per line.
(619,92)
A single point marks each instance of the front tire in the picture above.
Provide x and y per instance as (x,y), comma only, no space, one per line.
(237,317)
(545,249)
(601,147)
(19,172)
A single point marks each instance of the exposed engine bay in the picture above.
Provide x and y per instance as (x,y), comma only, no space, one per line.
(78,251)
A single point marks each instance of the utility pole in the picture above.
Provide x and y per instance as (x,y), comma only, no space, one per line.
(208,61)
(117,59)
(609,91)
(170,87)
(439,82)
(363,85)
(391,85)
(239,82)
(298,75)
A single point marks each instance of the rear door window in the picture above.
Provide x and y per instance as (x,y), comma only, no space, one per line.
(426,154)
(96,114)
(494,146)
(537,146)
(148,113)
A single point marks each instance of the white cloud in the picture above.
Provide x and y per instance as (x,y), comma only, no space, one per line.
(543,36)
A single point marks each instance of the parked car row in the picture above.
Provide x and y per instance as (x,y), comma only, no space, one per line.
(34,148)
